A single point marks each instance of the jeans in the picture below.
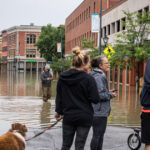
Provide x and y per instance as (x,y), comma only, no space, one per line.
(46,93)
(99,128)
(68,136)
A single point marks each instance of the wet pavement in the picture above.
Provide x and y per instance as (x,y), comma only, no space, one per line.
(21,101)
(115,139)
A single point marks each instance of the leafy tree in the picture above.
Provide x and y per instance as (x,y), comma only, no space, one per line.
(47,43)
(93,51)
(61,64)
(132,43)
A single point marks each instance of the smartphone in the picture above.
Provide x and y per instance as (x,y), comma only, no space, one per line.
(115,90)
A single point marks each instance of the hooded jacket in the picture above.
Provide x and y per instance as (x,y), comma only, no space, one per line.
(76,91)
(44,76)
(102,109)
(146,85)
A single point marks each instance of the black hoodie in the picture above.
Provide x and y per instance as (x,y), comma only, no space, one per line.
(146,87)
(76,90)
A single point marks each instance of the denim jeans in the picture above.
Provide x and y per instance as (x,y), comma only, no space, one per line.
(68,136)
(99,128)
(46,93)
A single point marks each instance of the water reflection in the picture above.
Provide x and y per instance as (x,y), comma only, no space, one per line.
(21,100)
(45,113)
(125,107)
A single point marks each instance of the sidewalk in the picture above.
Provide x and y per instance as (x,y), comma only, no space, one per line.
(115,139)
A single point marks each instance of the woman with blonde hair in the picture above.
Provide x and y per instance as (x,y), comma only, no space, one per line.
(76,91)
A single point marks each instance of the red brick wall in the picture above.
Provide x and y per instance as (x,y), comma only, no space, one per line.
(22,43)
(4,43)
(76,31)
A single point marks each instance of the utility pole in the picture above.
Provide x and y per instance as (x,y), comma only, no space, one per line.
(100,28)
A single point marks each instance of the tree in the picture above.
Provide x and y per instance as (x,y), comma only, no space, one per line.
(132,44)
(47,42)
(61,64)
(93,51)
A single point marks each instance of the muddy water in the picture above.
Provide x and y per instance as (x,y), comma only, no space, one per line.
(20,100)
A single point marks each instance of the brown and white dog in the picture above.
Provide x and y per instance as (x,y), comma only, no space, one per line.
(14,139)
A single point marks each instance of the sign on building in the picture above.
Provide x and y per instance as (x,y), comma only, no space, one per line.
(58,47)
(109,51)
(95,24)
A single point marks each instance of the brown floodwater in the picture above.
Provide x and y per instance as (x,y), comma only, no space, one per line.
(21,101)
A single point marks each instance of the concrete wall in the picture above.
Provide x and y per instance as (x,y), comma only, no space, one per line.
(115,14)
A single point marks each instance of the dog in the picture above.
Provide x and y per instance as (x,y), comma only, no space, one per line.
(14,139)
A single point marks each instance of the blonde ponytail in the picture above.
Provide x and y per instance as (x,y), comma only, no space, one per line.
(79,59)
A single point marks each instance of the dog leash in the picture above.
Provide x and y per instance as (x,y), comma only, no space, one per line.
(44,130)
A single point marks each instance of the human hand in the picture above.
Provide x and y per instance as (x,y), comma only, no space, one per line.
(58,116)
(114,93)
(49,78)
(113,90)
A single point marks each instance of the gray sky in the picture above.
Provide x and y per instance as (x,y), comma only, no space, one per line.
(39,12)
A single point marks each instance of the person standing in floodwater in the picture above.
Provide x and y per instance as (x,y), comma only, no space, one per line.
(76,91)
(145,116)
(46,78)
(100,65)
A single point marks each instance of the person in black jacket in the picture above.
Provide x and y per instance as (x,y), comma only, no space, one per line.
(145,116)
(76,91)
(46,78)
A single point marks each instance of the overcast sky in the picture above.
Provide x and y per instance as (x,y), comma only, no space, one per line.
(39,12)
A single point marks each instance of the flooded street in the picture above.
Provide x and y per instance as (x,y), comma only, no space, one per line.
(21,101)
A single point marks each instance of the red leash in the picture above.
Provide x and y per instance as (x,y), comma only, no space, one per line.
(44,130)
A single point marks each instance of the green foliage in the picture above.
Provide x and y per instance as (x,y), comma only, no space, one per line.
(93,51)
(59,65)
(132,42)
(47,43)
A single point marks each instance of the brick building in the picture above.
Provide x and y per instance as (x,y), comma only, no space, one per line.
(18,49)
(78,26)
(78,23)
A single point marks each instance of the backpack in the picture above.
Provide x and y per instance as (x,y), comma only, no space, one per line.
(145,95)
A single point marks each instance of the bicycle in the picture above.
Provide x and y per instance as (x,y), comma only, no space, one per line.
(134,139)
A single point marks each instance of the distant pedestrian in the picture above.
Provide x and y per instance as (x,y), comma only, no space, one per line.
(145,102)
(100,65)
(46,78)
(76,91)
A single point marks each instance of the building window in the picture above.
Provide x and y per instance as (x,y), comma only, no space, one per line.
(80,18)
(4,39)
(113,27)
(4,49)
(12,52)
(94,7)
(31,38)
(123,21)
(89,12)
(118,26)
(146,9)
(108,29)
(105,31)
(12,39)
(86,13)
(31,53)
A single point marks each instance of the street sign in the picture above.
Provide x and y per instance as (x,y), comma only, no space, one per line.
(109,51)
(31,60)
(58,47)
(95,23)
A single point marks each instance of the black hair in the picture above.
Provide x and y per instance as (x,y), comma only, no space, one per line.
(96,61)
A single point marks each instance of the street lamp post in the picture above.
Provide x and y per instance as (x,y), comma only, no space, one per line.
(60,27)
(100,28)
(105,39)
